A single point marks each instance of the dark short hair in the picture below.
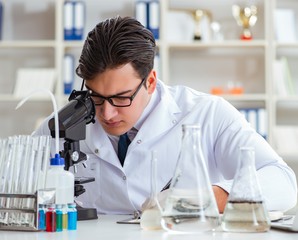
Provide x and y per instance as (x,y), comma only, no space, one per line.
(115,42)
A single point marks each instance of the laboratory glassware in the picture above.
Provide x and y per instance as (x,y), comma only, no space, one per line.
(190,206)
(245,210)
(151,216)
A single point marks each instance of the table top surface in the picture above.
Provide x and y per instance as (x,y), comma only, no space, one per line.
(105,227)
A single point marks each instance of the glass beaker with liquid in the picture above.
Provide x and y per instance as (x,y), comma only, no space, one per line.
(246,210)
(190,206)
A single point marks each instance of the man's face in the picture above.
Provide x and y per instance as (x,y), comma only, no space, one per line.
(121,81)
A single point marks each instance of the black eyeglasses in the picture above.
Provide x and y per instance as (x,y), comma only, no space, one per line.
(116,100)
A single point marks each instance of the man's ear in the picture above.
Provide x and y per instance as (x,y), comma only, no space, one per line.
(151,82)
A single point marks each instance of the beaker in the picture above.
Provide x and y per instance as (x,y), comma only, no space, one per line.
(245,210)
(190,206)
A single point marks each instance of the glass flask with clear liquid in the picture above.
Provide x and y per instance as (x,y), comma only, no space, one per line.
(190,206)
(245,210)
(151,216)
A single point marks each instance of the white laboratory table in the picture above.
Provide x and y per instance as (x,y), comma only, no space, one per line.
(106,228)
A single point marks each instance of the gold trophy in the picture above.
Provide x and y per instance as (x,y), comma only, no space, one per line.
(245,17)
(199,16)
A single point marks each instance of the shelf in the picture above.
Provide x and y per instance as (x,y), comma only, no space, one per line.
(28,44)
(73,44)
(286,45)
(293,98)
(245,97)
(12,98)
(223,44)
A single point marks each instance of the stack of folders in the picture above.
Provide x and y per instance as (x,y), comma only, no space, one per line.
(1,19)
(74,20)
(68,77)
(257,119)
(147,13)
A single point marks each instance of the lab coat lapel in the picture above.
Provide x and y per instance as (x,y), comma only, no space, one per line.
(98,140)
(166,112)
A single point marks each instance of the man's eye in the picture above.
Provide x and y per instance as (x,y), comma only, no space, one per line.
(121,99)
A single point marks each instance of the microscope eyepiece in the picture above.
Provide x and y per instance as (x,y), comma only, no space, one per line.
(73,117)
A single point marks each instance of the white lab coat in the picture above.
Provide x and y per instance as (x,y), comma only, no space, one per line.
(122,190)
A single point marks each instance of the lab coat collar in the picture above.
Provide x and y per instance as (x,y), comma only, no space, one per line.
(166,112)
(154,100)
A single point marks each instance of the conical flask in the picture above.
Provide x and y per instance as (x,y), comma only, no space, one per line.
(245,210)
(151,216)
(190,206)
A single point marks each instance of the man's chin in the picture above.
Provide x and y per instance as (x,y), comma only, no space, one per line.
(114,131)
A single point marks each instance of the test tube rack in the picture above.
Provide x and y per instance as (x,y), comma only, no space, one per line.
(19,212)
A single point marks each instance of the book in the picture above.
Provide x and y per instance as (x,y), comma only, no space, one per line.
(153,20)
(68,20)
(30,79)
(181,26)
(257,117)
(279,80)
(79,20)
(141,12)
(284,84)
(288,76)
(74,20)
(147,13)
(68,74)
(285,25)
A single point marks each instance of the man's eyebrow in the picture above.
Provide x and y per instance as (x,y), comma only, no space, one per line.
(114,95)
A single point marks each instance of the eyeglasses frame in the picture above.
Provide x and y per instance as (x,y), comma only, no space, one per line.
(110,99)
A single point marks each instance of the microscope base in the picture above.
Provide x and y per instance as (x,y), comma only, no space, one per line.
(86,213)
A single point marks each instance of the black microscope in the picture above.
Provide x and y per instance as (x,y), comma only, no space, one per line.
(73,118)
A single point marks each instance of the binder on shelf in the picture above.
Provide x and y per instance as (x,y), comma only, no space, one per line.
(147,13)
(141,12)
(257,117)
(68,20)
(153,21)
(79,20)
(68,77)
(262,122)
(1,19)
(74,20)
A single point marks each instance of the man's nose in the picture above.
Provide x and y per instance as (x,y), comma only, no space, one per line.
(108,111)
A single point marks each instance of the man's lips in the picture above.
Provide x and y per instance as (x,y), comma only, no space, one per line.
(112,124)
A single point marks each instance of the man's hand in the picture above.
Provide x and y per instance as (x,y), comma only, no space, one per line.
(221,197)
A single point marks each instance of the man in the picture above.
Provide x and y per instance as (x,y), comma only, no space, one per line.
(116,64)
